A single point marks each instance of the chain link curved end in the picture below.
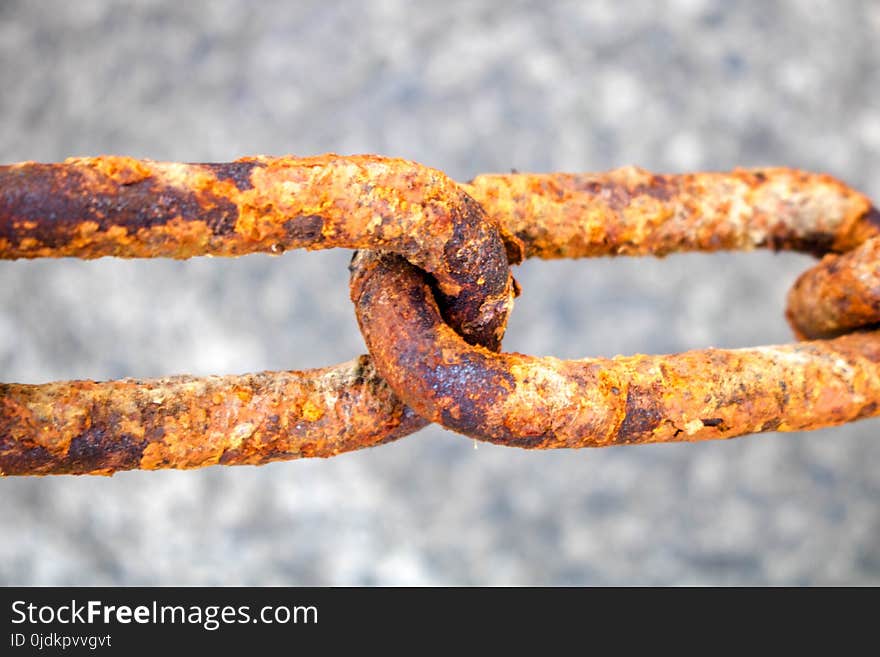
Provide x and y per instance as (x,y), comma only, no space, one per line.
(838,295)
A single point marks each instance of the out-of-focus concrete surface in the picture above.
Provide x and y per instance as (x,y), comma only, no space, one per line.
(466,87)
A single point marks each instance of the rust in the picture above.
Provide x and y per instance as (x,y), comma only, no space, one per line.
(86,427)
(840,294)
(631,211)
(123,207)
(432,295)
(534,402)
(113,206)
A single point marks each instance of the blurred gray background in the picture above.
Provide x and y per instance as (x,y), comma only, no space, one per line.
(467,87)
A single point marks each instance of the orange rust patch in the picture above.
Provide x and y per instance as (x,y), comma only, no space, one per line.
(312,412)
(123,170)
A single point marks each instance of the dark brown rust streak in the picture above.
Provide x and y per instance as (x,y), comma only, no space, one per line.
(533,402)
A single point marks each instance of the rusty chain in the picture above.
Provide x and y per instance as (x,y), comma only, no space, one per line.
(432,291)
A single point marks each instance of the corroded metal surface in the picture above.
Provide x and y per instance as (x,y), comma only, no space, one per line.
(839,294)
(534,402)
(119,206)
(84,427)
(630,211)
(432,296)
(113,206)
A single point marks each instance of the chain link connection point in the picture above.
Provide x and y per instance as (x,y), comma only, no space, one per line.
(432,291)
